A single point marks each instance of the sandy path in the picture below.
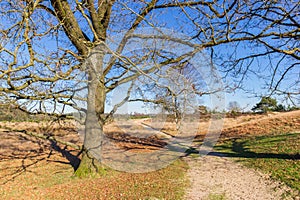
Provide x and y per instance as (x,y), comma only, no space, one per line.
(215,177)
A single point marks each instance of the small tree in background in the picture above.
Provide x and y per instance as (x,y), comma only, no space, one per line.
(266,104)
(292,108)
(281,108)
(234,107)
(203,109)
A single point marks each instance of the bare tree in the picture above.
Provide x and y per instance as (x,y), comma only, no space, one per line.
(53,51)
(234,107)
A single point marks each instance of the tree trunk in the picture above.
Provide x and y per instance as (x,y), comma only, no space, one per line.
(89,166)
(92,145)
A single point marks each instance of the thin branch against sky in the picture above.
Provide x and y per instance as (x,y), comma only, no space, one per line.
(224,28)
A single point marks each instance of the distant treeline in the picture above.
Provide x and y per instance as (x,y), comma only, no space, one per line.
(11,113)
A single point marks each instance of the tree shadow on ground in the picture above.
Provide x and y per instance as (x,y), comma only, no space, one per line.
(29,159)
(18,170)
(74,160)
(239,150)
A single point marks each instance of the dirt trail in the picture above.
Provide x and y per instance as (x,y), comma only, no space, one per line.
(214,177)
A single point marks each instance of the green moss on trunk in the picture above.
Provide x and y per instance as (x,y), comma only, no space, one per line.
(90,167)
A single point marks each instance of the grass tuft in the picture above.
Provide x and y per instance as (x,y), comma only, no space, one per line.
(213,196)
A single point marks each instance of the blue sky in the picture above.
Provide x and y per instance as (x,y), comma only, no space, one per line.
(252,85)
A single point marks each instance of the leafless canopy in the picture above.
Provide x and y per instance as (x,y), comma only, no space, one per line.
(44,44)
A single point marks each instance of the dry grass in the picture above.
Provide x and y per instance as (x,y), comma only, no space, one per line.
(30,168)
(29,171)
(51,180)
